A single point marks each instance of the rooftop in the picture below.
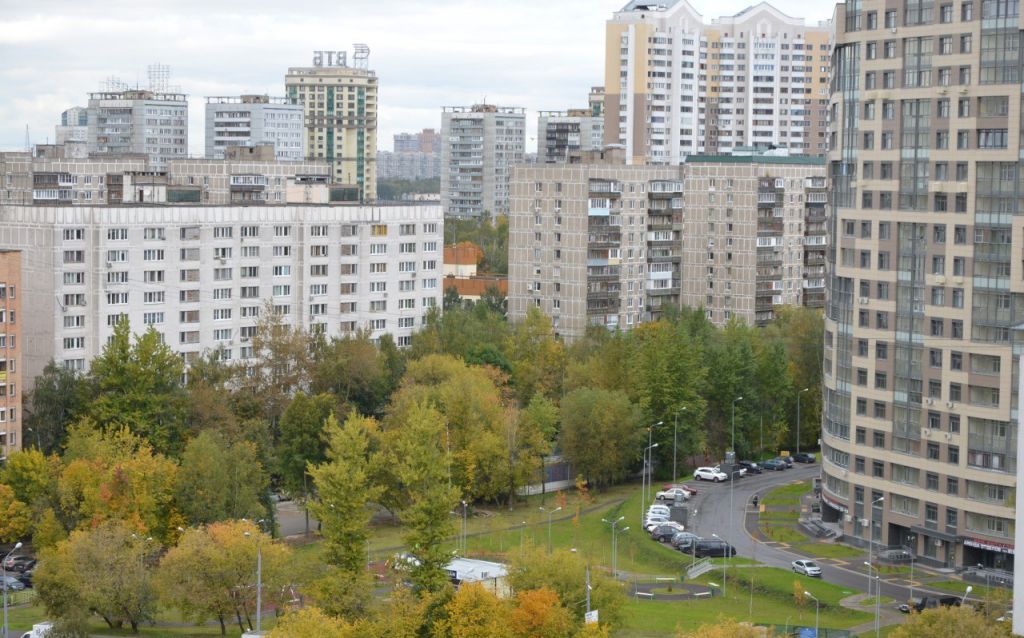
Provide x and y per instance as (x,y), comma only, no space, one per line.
(755,159)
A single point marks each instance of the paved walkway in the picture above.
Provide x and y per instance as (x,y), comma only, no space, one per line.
(861,602)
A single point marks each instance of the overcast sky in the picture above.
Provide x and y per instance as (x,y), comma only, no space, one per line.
(539,54)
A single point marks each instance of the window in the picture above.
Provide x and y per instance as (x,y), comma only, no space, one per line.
(222,232)
(881,380)
(861,436)
(952,485)
(879,410)
(862,407)
(282,231)
(378,249)
(378,267)
(282,271)
(153,297)
(121,234)
(881,350)
(379,230)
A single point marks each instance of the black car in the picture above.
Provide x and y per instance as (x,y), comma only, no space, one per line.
(664,533)
(26,577)
(788,460)
(774,465)
(804,457)
(931,603)
(712,548)
(19,563)
(751,467)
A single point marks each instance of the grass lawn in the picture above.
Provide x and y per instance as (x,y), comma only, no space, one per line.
(788,494)
(959,587)
(829,550)
(772,603)
(782,533)
(22,618)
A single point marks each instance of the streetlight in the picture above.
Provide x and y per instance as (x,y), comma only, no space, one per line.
(912,538)
(259,579)
(550,514)
(675,443)
(963,599)
(522,531)
(643,488)
(878,603)
(464,526)
(3,566)
(724,562)
(615,544)
(871,537)
(798,426)
(732,468)
(650,464)
(817,609)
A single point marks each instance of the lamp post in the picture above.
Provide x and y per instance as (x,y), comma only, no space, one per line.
(615,543)
(643,495)
(3,567)
(732,472)
(550,513)
(798,423)
(724,562)
(675,443)
(878,604)
(817,610)
(912,538)
(871,538)
(649,466)
(259,580)
(963,598)
(522,531)
(464,526)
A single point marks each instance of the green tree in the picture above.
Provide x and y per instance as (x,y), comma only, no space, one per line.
(211,573)
(139,385)
(102,570)
(220,480)
(564,573)
(15,516)
(57,397)
(344,491)
(32,476)
(353,370)
(301,440)
(601,434)
(538,358)
(421,470)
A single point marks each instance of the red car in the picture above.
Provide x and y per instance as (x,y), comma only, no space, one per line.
(668,486)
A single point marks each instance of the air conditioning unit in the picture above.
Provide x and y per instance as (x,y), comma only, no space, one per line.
(863,300)
(963,91)
(942,91)
(929,401)
(893,30)
(949,404)
(926,432)
(244,339)
(109,265)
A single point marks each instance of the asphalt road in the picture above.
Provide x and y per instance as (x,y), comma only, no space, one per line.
(715,516)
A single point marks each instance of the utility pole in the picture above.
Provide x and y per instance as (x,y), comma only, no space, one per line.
(798,418)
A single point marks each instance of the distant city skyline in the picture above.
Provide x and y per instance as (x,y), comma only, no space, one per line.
(541,56)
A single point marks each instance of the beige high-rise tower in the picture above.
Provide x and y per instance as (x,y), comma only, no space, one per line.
(926,290)
(678,85)
(341,117)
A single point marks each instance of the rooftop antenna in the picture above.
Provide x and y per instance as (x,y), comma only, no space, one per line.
(159,76)
(361,56)
(28,144)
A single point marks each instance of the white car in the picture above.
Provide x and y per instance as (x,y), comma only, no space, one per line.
(653,521)
(807,568)
(658,510)
(671,494)
(709,474)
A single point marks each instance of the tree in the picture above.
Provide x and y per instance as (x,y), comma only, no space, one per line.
(354,370)
(474,612)
(31,475)
(15,517)
(601,434)
(219,480)
(538,358)
(726,628)
(564,573)
(138,385)
(539,614)
(311,622)
(101,570)
(48,531)
(430,498)
(58,396)
(281,366)
(951,622)
(301,440)
(211,573)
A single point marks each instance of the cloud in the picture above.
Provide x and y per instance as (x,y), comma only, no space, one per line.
(533,53)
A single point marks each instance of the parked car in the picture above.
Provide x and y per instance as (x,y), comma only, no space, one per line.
(931,603)
(807,568)
(653,521)
(671,494)
(664,532)
(10,583)
(690,490)
(19,563)
(775,465)
(710,474)
(804,457)
(712,548)
(658,510)
(750,467)
(26,577)
(682,539)
(39,630)
(788,460)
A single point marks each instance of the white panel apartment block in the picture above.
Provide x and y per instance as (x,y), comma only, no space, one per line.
(201,275)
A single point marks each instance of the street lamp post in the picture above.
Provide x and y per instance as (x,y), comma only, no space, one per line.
(798,420)
(817,610)
(615,543)
(963,598)
(871,538)
(878,604)
(259,578)
(464,526)
(675,443)
(643,495)
(732,468)
(724,562)
(522,531)
(3,567)
(912,538)
(550,513)
(650,458)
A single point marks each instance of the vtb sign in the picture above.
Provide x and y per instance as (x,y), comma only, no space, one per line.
(330,58)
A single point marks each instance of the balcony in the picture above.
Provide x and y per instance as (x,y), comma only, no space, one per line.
(605,187)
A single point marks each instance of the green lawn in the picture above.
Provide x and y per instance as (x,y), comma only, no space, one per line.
(959,587)
(772,603)
(22,618)
(783,533)
(788,494)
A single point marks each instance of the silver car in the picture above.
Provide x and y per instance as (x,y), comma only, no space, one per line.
(807,568)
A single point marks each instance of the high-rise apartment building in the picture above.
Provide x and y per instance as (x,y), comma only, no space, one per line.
(73,131)
(408,165)
(678,85)
(340,117)
(201,250)
(255,120)
(598,242)
(426,141)
(925,301)
(138,121)
(11,347)
(560,133)
(479,145)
